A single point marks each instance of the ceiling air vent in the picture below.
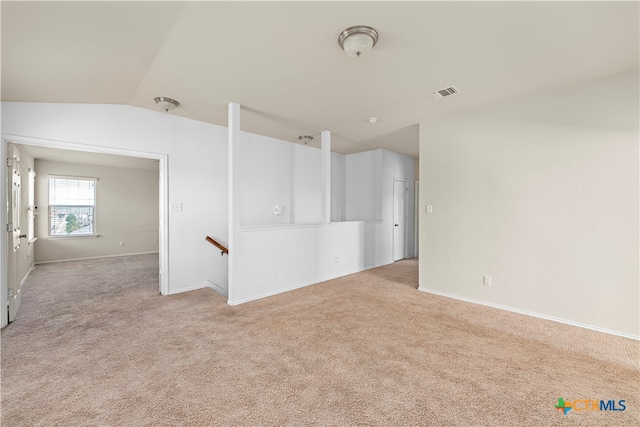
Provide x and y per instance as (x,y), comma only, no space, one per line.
(444,92)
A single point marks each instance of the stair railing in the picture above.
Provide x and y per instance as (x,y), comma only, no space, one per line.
(220,246)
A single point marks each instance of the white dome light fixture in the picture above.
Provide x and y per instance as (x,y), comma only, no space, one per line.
(358,40)
(167,104)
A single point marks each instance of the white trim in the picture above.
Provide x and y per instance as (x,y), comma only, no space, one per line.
(70,237)
(416,219)
(64,145)
(192,288)
(292,288)
(163,221)
(95,257)
(77,178)
(26,276)
(393,219)
(249,228)
(533,314)
(163,186)
(303,285)
(4,275)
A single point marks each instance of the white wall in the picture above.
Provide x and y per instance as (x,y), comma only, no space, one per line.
(197,170)
(307,189)
(126,211)
(277,173)
(369,191)
(272,254)
(364,186)
(541,194)
(271,260)
(265,181)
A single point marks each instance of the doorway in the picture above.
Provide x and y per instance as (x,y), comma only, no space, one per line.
(6,260)
(400,191)
(14,196)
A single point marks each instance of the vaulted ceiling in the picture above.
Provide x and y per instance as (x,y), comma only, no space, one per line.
(282,61)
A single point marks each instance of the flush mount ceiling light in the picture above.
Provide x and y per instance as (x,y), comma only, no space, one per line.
(305,139)
(165,103)
(372,120)
(358,40)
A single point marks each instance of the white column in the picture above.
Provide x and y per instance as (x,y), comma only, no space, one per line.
(325,175)
(234,140)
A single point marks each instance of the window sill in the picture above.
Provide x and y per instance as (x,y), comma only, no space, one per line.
(73,236)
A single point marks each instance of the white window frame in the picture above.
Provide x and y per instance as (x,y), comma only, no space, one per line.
(50,206)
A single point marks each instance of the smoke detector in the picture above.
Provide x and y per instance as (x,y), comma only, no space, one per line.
(444,92)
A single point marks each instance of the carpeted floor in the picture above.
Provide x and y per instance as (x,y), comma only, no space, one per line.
(94,344)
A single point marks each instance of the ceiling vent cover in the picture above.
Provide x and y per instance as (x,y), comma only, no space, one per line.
(444,92)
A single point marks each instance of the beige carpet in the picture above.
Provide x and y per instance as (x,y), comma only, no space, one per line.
(94,344)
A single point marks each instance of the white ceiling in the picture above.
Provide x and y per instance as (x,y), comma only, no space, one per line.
(282,62)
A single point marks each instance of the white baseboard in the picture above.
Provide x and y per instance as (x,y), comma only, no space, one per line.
(189,289)
(270,294)
(302,285)
(24,279)
(95,257)
(533,314)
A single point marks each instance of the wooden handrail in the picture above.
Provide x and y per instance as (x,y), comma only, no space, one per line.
(218,245)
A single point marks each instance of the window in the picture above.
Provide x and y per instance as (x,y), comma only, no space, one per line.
(72,203)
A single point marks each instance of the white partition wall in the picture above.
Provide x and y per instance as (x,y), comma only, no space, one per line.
(281,198)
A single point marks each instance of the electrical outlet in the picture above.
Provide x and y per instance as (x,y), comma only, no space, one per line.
(486,280)
(176,207)
(429,208)
(121,242)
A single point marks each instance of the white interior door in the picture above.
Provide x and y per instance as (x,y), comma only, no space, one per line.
(400,190)
(13,227)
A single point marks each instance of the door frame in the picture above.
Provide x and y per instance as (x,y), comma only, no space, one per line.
(4,240)
(163,188)
(14,206)
(406,221)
